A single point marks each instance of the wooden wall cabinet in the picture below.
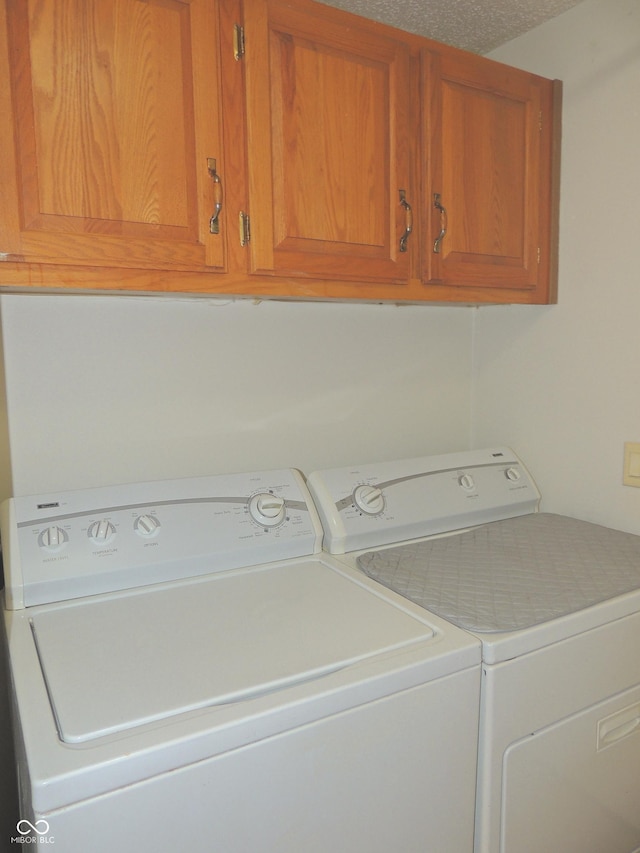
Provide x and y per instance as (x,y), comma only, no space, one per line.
(329,144)
(116,110)
(490,157)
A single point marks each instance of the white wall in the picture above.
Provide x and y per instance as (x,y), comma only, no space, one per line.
(5,450)
(105,389)
(562,384)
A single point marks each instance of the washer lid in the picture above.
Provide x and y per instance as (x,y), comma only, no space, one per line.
(115,662)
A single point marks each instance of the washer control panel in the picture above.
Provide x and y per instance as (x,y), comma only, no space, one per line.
(71,544)
(365,506)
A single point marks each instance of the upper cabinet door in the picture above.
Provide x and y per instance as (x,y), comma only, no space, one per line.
(490,191)
(115,107)
(329,140)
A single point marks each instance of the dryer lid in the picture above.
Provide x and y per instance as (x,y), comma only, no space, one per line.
(115,662)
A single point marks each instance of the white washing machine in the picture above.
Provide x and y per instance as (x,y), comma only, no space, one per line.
(556,604)
(190,672)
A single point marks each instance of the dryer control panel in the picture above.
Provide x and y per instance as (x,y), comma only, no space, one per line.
(71,544)
(364,506)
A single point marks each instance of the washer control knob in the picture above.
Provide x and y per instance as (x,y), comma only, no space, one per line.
(52,538)
(267,510)
(512,474)
(101,532)
(146,525)
(466,482)
(369,499)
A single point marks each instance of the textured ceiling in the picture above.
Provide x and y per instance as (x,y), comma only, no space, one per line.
(476,25)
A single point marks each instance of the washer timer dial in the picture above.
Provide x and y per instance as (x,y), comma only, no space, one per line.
(267,510)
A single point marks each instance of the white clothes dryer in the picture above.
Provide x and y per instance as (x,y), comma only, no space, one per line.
(555,602)
(189,671)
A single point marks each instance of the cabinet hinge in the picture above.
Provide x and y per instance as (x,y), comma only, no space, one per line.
(245,228)
(540,121)
(238,41)
(539,254)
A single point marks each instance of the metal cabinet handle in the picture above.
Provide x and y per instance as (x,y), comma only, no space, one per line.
(214,224)
(409,220)
(443,222)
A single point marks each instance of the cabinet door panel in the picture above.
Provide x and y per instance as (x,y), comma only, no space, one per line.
(333,108)
(111,136)
(485,188)
(488,139)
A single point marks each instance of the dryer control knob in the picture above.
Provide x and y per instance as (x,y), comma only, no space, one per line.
(467,482)
(512,474)
(369,499)
(52,538)
(267,510)
(101,532)
(146,525)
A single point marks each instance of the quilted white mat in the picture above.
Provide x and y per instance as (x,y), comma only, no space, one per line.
(511,574)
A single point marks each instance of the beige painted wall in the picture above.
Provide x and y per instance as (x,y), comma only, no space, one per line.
(117,389)
(6,484)
(562,384)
